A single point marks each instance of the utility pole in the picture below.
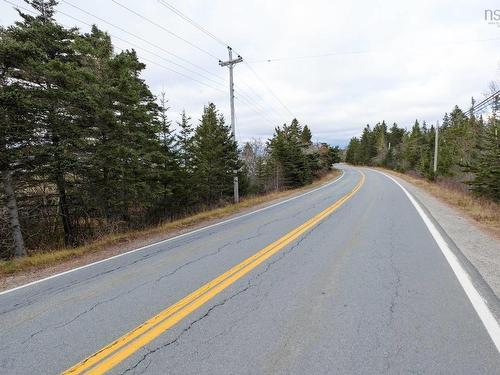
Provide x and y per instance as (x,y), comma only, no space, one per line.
(230,63)
(436,143)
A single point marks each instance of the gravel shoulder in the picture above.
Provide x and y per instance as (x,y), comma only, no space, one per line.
(479,246)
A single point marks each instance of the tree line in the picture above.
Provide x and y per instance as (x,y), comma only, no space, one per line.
(87,149)
(468,149)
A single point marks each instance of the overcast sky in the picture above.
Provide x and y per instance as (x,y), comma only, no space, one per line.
(371,60)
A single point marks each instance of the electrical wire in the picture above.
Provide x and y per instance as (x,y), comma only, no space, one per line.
(340,53)
(204,30)
(145,41)
(184,75)
(165,29)
(491,100)
(255,104)
(256,96)
(484,103)
(136,46)
(269,89)
(192,22)
(255,109)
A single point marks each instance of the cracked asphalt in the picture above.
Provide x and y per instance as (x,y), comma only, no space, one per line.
(366,291)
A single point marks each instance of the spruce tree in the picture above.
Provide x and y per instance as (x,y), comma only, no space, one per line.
(54,70)
(166,200)
(486,169)
(184,189)
(184,141)
(215,158)
(306,136)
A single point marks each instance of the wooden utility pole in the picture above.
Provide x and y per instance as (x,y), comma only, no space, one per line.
(230,63)
(436,144)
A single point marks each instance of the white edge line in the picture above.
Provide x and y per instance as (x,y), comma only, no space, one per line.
(172,238)
(479,304)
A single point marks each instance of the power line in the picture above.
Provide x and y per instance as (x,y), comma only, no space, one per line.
(172,62)
(165,29)
(204,30)
(257,98)
(128,42)
(192,22)
(269,89)
(154,54)
(180,14)
(307,57)
(255,109)
(184,75)
(256,105)
(20,7)
(340,53)
(143,40)
(489,99)
(484,103)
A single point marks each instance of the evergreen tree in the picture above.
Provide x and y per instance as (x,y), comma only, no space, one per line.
(184,148)
(486,168)
(54,69)
(306,136)
(215,158)
(288,154)
(367,148)
(170,170)
(16,126)
(381,146)
(184,140)
(353,152)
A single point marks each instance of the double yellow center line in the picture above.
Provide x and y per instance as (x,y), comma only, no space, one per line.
(123,347)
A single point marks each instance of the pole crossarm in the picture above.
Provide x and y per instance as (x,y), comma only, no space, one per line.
(231,62)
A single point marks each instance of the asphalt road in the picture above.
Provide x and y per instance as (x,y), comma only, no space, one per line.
(363,289)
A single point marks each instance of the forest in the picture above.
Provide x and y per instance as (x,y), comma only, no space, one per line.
(468,149)
(87,149)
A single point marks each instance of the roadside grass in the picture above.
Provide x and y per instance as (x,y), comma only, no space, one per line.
(483,211)
(37,260)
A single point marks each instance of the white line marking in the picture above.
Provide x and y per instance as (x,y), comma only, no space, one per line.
(479,304)
(173,238)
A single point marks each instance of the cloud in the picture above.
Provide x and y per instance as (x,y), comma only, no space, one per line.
(389,60)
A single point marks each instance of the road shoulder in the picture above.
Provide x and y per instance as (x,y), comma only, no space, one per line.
(480,248)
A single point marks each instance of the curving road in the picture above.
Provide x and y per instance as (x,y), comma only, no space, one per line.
(346,279)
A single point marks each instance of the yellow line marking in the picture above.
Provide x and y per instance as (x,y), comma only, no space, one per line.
(123,347)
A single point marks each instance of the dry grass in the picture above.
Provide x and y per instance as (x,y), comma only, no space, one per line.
(56,256)
(481,210)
